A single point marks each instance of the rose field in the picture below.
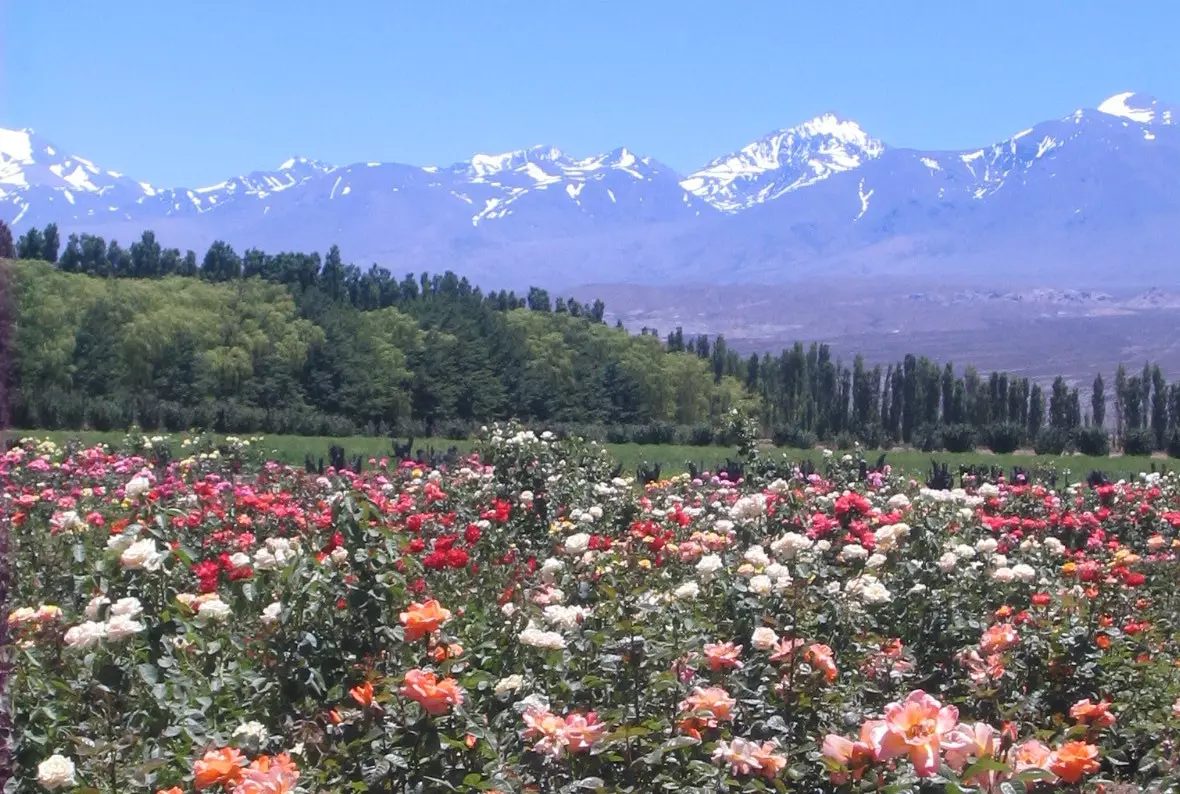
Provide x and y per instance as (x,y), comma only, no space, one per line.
(523,621)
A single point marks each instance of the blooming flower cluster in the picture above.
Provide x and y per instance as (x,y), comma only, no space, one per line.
(526,620)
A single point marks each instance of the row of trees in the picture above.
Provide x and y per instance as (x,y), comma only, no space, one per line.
(293,342)
(807,396)
(431,355)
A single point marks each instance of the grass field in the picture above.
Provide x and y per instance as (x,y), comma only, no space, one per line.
(673,459)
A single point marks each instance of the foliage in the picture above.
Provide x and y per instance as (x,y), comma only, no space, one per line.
(237,354)
(1139,441)
(1004,437)
(958,438)
(1092,440)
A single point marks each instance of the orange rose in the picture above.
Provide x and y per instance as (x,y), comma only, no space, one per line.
(269,775)
(1073,760)
(435,696)
(219,767)
(722,656)
(173,790)
(423,619)
(820,657)
(1096,714)
(998,638)
(363,694)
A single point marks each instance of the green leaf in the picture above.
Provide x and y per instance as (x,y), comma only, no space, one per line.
(148,673)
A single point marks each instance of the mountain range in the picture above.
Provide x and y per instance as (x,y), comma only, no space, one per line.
(1082,201)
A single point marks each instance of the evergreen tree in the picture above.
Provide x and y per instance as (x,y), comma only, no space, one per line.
(50,243)
(146,256)
(1036,411)
(1120,406)
(7,249)
(30,244)
(71,258)
(1159,406)
(1098,401)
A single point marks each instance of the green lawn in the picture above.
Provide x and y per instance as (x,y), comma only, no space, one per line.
(673,459)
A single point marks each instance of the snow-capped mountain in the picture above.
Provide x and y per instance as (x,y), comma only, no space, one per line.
(1077,200)
(783,161)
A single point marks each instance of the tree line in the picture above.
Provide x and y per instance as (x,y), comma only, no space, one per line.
(299,343)
(296,343)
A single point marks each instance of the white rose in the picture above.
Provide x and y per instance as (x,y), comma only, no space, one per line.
(565,617)
(748,508)
(963,551)
(763,638)
(687,591)
(252,730)
(508,684)
(137,487)
(94,608)
(986,545)
(760,584)
(1055,546)
(119,543)
(214,609)
(239,560)
(1003,575)
(85,635)
(120,627)
(854,551)
(576,544)
(875,593)
(272,612)
(56,772)
(790,544)
(508,609)
(875,561)
(128,607)
(141,554)
(898,501)
(339,555)
(1023,572)
(756,556)
(947,562)
(708,565)
(536,638)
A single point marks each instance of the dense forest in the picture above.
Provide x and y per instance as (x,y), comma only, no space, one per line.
(106,337)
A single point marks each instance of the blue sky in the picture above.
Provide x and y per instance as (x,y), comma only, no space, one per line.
(190,93)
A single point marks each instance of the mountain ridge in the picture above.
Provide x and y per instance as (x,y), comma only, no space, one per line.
(1084,196)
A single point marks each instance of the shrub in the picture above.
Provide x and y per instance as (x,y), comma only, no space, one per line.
(1174,444)
(794,437)
(1139,441)
(927,438)
(655,433)
(1004,438)
(1093,441)
(1051,441)
(700,435)
(958,438)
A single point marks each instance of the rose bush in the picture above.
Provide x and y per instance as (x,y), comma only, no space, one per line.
(525,622)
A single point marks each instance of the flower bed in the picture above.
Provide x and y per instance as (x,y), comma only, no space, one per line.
(524,622)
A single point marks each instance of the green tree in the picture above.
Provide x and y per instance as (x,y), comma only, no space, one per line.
(50,243)
(30,244)
(1098,401)
(7,249)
